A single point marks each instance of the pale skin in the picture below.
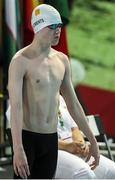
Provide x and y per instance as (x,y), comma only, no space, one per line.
(37,74)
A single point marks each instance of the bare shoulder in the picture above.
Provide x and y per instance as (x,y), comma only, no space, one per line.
(63,57)
(18,61)
(18,65)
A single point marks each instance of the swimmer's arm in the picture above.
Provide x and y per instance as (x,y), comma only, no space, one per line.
(73,103)
(78,114)
(15,83)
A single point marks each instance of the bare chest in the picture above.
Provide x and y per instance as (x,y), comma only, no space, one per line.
(46,73)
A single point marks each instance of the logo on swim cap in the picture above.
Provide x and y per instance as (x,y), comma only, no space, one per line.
(37,12)
(43,16)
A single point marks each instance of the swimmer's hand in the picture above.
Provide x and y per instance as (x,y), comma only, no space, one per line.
(20,163)
(94,152)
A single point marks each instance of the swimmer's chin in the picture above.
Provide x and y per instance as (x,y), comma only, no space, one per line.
(55,42)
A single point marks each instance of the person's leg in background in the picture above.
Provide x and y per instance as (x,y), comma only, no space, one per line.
(70,166)
(106,168)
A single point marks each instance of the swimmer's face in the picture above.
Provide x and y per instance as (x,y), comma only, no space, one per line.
(51,35)
(55,29)
(56,36)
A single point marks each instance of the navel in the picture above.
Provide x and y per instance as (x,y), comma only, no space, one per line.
(38,80)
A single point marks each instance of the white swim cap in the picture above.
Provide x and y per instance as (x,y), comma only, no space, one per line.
(43,16)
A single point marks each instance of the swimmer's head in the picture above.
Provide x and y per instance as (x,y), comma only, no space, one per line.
(44,15)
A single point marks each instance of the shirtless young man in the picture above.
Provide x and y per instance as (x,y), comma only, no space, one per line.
(37,74)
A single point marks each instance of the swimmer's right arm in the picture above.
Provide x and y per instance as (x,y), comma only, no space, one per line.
(15,85)
(15,81)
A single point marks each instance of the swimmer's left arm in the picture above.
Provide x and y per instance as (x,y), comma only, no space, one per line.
(73,103)
(77,112)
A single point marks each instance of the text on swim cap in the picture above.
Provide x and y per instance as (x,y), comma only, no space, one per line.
(38,22)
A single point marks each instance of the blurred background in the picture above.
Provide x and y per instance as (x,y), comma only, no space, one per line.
(88,38)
